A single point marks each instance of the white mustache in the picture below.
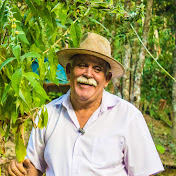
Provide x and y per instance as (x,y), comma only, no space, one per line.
(89,81)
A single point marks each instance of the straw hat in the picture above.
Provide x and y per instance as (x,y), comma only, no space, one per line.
(95,45)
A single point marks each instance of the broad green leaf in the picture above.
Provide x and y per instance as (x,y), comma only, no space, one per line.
(17,51)
(6,62)
(37,99)
(43,119)
(20,148)
(14,114)
(32,54)
(53,62)
(59,24)
(22,96)
(32,75)
(57,7)
(23,38)
(36,85)
(42,69)
(16,80)
(75,33)
(22,35)
(63,14)
(26,93)
(160,148)
(4,96)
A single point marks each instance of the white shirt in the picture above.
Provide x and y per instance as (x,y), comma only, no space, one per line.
(116,141)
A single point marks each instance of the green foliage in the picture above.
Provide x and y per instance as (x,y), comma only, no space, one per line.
(35,30)
(43,118)
(160,148)
(20,148)
(156,84)
(54,95)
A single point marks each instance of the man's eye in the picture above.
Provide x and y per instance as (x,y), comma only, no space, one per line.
(97,69)
(82,65)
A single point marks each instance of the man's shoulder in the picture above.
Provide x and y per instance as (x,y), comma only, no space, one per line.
(120,103)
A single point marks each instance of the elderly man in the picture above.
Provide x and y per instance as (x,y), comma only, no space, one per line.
(90,132)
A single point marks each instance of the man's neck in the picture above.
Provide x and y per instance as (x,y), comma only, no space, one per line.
(84,109)
(79,105)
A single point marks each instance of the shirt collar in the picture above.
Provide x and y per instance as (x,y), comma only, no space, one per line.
(64,99)
(108,101)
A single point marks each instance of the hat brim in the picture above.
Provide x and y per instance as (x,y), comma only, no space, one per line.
(65,55)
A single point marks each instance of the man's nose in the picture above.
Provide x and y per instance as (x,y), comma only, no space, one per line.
(88,72)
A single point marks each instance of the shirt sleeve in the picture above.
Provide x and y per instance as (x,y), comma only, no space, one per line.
(140,155)
(35,149)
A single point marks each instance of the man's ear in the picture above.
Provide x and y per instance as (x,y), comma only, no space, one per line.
(68,70)
(108,78)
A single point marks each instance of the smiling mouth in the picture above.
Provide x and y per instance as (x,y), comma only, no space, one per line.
(86,84)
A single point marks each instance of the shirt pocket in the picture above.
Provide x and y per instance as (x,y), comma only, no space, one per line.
(106,152)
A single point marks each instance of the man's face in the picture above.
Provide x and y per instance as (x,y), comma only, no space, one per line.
(87,78)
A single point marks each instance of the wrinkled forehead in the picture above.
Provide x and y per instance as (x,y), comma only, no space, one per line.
(84,58)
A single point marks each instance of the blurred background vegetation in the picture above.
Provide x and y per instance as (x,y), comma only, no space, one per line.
(31,32)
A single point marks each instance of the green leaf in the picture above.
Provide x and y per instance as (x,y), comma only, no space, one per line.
(60,25)
(160,148)
(26,94)
(61,11)
(16,80)
(17,51)
(43,119)
(4,96)
(53,62)
(32,54)
(63,14)
(6,62)
(42,68)
(57,7)
(23,38)
(32,75)
(14,114)
(36,85)
(20,148)
(95,21)
(75,33)
(22,35)
(22,96)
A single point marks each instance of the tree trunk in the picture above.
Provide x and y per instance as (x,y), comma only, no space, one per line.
(135,46)
(126,60)
(117,87)
(126,78)
(174,86)
(140,64)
